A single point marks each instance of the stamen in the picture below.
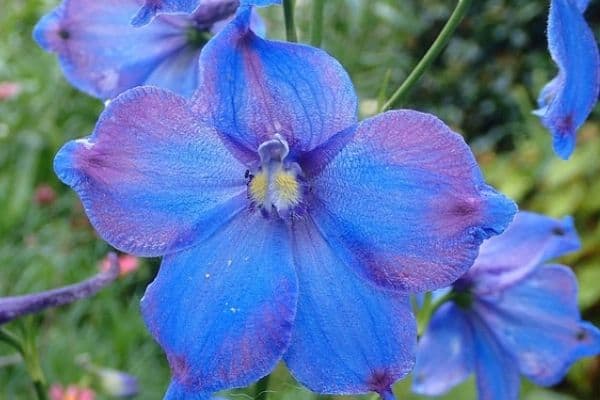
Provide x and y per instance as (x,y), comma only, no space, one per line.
(258,188)
(287,187)
(274,186)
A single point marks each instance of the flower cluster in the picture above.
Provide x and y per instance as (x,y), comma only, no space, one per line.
(289,230)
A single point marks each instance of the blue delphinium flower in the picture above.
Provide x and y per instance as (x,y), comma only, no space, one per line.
(157,7)
(284,224)
(511,315)
(567,100)
(103,55)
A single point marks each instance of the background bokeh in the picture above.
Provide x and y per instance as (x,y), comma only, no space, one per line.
(484,86)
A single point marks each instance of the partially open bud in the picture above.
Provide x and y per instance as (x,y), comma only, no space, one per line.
(111,381)
(117,383)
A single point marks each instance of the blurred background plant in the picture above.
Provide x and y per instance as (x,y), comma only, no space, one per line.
(484,86)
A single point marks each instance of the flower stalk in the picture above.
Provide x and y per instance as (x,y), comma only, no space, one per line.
(316,32)
(430,307)
(28,350)
(262,387)
(17,306)
(288,15)
(434,51)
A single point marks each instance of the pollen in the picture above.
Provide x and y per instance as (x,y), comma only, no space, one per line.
(259,187)
(274,187)
(287,188)
(277,189)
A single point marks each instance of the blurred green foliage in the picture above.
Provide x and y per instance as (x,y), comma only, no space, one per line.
(484,86)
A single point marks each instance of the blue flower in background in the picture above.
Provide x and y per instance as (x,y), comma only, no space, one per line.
(283,222)
(103,55)
(511,315)
(567,100)
(156,7)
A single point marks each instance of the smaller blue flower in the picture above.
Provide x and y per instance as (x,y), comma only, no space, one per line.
(151,8)
(102,55)
(567,100)
(511,315)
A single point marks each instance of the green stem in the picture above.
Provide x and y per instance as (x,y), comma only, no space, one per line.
(262,387)
(11,339)
(28,351)
(40,390)
(384,88)
(34,368)
(316,32)
(431,309)
(434,51)
(288,15)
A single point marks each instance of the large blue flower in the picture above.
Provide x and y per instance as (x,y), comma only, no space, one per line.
(103,55)
(157,7)
(283,222)
(567,100)
(511,315)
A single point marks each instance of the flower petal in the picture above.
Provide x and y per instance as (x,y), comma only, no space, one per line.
(538,321)
(260,3)
(178,392)
(530,240)
(496,375)
(566,101)
(589,341)
(101,54)
(266,87)
(153,7)
(349,336)
(178,72)
(151,179)
(175,392)
(223,310)
(445,354)
(406,201)
(582,5)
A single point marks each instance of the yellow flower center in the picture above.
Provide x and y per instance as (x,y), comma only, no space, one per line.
(275,185)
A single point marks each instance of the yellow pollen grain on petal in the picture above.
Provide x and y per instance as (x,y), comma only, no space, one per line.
(259,187)
(287,188)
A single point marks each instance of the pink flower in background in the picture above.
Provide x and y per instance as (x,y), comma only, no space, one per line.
(71,392)
(9,90)
(127,264)
(44,195)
